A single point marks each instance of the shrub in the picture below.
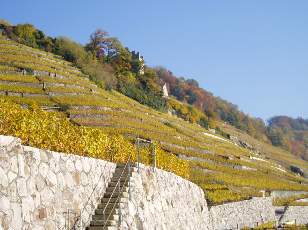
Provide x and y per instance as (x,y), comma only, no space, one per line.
(291,200)
(221,196)
(145,97)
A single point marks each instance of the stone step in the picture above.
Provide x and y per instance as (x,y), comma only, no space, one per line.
(113,200)
(120,175)
(122,188)
(132,169)
(114,183)
(109,206)
(113,216)
(102,228)
(100,210)
(122,170)
(117,177)
(112,228)
(112,222)
(121,184)
(115,194)
(123,166)
(122,179)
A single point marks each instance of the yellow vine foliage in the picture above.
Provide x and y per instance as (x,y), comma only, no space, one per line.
(170,162)
(53,131)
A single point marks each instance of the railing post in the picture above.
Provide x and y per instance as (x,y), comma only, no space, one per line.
(119,199)
(129,172)
(138,155)
(153,156)
(104,216)
(154,146)
(68,219)
(78,220)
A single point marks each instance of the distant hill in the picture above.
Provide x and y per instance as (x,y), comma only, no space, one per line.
(290,133)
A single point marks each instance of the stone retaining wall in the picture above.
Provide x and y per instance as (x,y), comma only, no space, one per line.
(37,187)
(162,200)
(297,214)
(242,214)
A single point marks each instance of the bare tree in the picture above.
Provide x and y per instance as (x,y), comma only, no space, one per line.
(99,43)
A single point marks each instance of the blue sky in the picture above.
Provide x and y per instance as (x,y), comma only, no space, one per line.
(253,53)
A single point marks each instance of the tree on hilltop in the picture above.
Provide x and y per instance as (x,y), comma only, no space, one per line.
(99,43)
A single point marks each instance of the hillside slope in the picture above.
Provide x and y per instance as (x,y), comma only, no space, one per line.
(113,66)
(223,168)
(291,133)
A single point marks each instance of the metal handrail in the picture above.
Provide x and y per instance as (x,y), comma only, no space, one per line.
(144,140)
(147,141)
(118,183)
(84,207)
(111,196)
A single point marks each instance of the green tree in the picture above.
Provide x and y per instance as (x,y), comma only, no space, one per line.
(119,57)
(26,34)
(71,51)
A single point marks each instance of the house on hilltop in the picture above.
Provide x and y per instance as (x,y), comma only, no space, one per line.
(165,90)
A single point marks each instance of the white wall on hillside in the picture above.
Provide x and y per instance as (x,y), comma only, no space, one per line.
(37,187)
(162,200)
(296,214)
(248,213)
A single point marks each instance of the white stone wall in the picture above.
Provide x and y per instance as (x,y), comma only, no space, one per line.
(162,200)
(241,214)
(37,186)
(298,214)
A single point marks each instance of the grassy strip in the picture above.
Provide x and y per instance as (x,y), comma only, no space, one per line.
(7,68)
(217,197)
(19,78)
(291,201)
(82,101)
(259,181)
(29,100)
(253,179)
(20,89)
(63,89)
(34,53)
(27,60)
(67,80)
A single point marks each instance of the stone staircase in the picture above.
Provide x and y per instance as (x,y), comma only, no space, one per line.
(279,213)
(107,213)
